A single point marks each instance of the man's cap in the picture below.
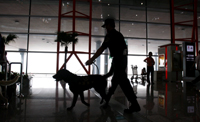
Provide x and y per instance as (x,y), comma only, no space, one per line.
(110,22)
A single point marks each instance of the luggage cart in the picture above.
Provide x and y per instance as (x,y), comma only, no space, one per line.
(135,72)
(136,76)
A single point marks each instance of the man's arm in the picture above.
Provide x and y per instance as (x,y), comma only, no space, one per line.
(145,60)
(97,54)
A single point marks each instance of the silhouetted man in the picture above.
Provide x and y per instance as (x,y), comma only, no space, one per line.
(115,42)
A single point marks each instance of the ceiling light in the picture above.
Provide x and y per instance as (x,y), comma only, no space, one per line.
(108,4)
(108,15)
(63,4)
(17,21)
(99,0)
(132,23)
(136,15)
(141,3)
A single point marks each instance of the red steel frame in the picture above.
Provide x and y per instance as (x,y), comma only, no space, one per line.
(73,52)
(74,16)
(194,37)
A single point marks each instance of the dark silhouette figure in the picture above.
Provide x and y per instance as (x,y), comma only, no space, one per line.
(197,61)
(115,42)
(2,46)
(78,84)
(150,63)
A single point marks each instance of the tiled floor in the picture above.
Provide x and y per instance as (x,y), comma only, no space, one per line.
(162,102)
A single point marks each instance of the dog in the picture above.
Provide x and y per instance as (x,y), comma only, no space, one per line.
(78,84)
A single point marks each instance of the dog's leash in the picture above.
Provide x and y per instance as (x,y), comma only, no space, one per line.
(93,64)
(96,66)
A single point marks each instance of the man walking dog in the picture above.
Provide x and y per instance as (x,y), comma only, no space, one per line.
(115,42)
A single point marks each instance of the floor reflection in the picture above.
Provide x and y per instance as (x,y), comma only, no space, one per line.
(163,101)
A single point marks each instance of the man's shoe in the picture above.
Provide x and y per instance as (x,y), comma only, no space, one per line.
(132,109)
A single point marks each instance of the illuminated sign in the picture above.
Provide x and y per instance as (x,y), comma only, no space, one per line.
(161,101)
(161,60)
(190,48)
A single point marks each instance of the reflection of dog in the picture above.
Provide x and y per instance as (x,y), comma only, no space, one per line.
(78,84)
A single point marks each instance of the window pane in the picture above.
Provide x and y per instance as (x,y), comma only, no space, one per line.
(159,31)
(14,24)
(180,16)
(158,15)
(158,3)
(43,25)
(42,43)
(97,29)
(133,29)
(15,58)
(106,1)
(183,32)
(153,45)
(19,43)
(41,63)
(136,46)
(130,13)
(16,7)
(133,3)
(43,7)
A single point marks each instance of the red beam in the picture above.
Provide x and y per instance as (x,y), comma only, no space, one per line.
(83,14)
(173,24)
(90,31)
(81,63)
(183,24)
(196,25)
(182,9)
(184,21)
(67,60)
(75,16)
(67,13)
(184,5)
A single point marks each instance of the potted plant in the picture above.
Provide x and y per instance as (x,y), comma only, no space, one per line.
(5,41)
(65,39)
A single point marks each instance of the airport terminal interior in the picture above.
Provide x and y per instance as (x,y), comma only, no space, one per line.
(170,29)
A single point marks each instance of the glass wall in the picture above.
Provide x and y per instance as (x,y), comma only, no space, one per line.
(145,25)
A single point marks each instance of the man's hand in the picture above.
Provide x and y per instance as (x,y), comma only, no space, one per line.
(89,62)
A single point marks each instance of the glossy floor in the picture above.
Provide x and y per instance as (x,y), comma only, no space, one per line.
(161,102)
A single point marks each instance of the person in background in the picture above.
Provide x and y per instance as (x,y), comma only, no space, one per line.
(150,64)
(1,49)
(116,44)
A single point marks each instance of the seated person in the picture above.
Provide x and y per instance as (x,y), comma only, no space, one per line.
(143,71)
